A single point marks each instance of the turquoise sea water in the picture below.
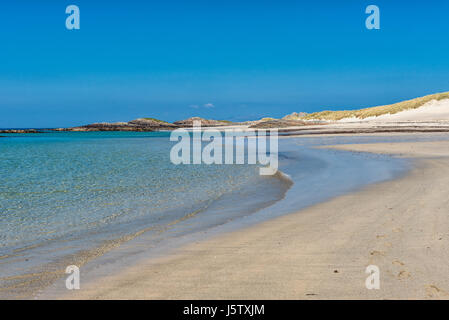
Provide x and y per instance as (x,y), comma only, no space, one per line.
(66,193)
(59,184)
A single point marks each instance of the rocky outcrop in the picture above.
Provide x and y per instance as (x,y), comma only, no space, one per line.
(278,124)
(153,123)
(139,125)
(204,122)
(20,131)
(147,125)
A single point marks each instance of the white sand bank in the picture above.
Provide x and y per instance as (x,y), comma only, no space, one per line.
(430,112)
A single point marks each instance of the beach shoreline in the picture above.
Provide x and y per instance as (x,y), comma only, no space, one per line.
(320,252)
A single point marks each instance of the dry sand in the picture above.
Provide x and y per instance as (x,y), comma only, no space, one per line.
(402,226)
(432,111)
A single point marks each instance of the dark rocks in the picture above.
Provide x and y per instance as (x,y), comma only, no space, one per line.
(20,131)
(153,123)
(204,122)
(278,124)
(146,125)
(138,125)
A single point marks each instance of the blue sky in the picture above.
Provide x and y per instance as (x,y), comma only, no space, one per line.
(234,60)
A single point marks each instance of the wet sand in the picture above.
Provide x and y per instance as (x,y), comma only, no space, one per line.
(401,226)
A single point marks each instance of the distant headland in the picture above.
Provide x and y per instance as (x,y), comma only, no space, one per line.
(428,113)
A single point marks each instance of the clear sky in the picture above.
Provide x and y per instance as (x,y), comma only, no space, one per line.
(222,59)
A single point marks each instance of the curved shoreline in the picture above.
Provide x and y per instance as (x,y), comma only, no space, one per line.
(92,274)
(27,285)
(180,234)
(320,252)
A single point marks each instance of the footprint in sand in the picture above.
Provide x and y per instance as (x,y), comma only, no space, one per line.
(403,275)
(377,253)
(433,291)
(398,263)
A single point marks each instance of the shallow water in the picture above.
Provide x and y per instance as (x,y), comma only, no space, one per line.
(64,195)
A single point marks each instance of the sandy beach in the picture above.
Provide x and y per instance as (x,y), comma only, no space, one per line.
(321,252)
(224,151)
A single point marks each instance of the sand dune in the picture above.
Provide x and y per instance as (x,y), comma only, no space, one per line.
(377,111)
(431,111)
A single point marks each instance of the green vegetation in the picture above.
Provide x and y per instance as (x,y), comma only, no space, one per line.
(156,120)
(376,111)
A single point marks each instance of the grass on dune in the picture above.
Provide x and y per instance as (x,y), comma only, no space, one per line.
(376,111)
